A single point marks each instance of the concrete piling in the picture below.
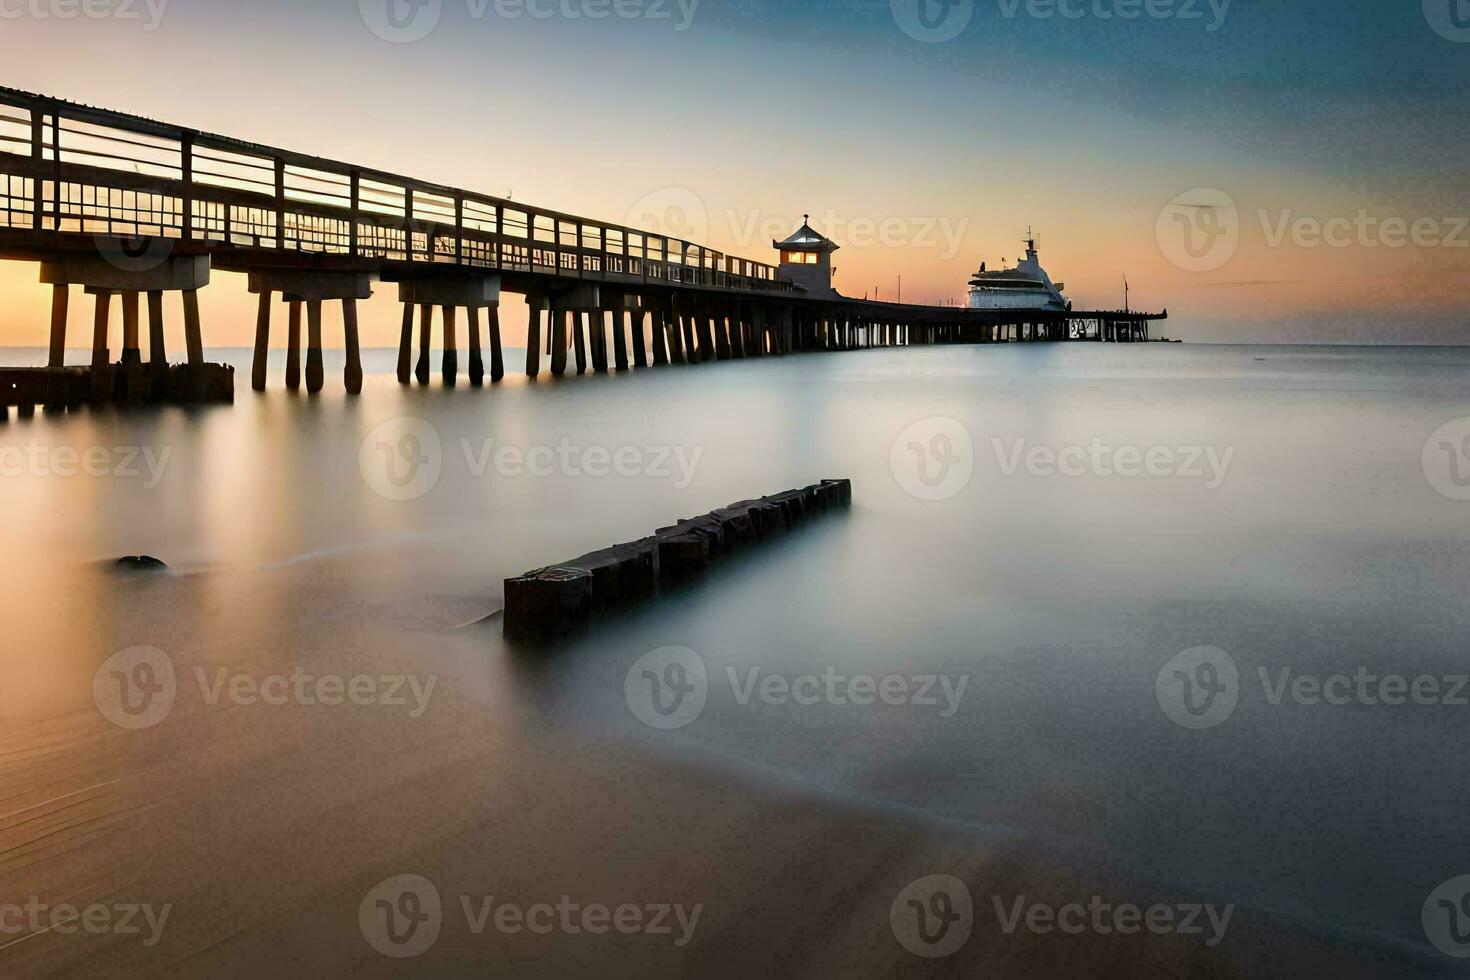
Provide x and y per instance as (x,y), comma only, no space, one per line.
(132,353)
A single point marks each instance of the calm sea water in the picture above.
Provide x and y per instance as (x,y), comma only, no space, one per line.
(1289,521)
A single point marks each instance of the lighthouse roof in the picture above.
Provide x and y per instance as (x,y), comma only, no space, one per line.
(806,239)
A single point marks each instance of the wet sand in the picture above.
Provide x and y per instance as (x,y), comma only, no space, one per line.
(265,827)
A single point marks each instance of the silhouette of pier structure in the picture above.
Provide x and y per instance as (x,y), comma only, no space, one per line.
(126,207)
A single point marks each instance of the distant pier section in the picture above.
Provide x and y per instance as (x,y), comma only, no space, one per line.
(120,207)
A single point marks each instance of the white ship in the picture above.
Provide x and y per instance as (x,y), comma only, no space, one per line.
(1026,287)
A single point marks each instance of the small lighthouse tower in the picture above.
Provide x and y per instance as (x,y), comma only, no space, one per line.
(806,259)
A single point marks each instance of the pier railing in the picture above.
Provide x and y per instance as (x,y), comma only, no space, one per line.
(68,168)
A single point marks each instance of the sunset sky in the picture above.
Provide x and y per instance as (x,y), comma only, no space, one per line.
(744,114)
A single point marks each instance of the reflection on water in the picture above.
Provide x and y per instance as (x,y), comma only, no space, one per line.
(1056,597)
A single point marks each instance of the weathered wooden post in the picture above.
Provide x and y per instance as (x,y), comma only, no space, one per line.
(100,372)
(132,353)
(60,299)
(579,342)
(262,342)
(426,330)
(157,347)
(559,341)
(636,318)
(193,333)
(315,378)
(352,373)
(293,344)
(477,359)
(497,358)
(597,332)
(534,305)
(450,360)
(620,334)
(405,346)
(659,331)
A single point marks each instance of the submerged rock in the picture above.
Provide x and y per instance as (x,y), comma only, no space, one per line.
(140,563)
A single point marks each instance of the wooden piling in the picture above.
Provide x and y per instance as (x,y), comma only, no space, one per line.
(293,344)
(262,341)
(60,299)
(352,374)
(405,346)
(315,379)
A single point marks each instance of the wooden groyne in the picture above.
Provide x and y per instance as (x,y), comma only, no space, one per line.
(563,598)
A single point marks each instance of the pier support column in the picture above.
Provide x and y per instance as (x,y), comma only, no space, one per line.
(687,342)
(60,300)
(597,333)
(636,318)
(157,346)
(100,373)
(352,373)
(450,360)
(426,331)
(659,331)
(477,359)
(293,344)
(193,333)
(132,353)
(579,341)
(559,342)
(497,358)
(534,306)
(405,346)
(262,342)
(620,337)
(315,379)
(708,350)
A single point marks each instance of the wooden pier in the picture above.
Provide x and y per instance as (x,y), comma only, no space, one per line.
(126,207)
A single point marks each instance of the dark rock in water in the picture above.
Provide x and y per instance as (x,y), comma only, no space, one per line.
(140,563)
